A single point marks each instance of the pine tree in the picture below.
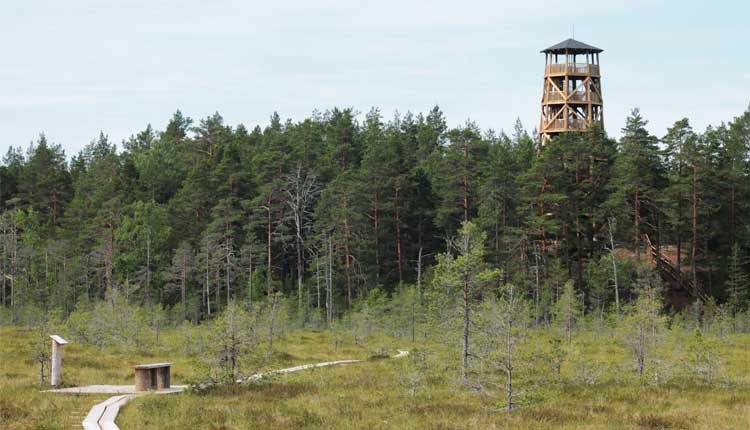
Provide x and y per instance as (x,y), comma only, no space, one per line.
(498,197)
(44,182)
(568,310)
(460,275)
(738,282)
(457,175)
(638,177)
(142,239)
(644,327)
(677,139)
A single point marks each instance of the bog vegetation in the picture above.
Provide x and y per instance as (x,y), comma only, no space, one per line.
(522,277)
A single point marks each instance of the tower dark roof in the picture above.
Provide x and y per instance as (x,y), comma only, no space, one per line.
(573,47)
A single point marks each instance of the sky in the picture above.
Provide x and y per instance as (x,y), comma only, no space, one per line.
(70,69)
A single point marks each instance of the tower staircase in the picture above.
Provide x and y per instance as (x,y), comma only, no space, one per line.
(670,275)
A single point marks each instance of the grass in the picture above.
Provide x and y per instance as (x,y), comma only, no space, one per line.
(369,395)
(24,405)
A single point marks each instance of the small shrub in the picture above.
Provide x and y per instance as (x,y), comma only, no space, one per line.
(377,353)
(657,422)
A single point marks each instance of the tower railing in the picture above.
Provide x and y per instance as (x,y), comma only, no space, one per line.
(577,69)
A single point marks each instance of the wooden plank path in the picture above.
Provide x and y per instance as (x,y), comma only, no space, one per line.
(103,415)
(258,376)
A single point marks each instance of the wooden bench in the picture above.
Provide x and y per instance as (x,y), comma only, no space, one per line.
(154,376)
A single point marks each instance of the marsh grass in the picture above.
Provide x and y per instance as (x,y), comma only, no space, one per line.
(369,395)
(24,405)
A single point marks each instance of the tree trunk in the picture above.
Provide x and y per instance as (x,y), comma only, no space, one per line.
(657,240)
(413,322)
(398,235)
(250,277)
(317,281)
(569,320)
(207,291)
(579,247)
(64,285)
(732,215)
(465,336)
(148,264)
(217,291)
(41,371)
(614,266)
(14,273)
(269,253)
(694,245)
(376,232)
(300,267)
(536,282)
(46,279)
(329,284)
(466,181)
(109,256)
(228,261)
(641,352)
(496,233)
(273,321)
(419,275)
(679,236)
(183,287)
(2,263)
(542,232)
(637,226)
(347,257)
(509,368)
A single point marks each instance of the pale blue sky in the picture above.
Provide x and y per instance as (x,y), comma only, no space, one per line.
(72,68)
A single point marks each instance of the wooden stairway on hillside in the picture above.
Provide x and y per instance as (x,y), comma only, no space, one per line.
(669,273)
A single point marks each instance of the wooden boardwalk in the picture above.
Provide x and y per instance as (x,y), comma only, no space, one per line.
(102,416)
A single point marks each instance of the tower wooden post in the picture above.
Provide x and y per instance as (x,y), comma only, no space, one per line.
(56,365)
(572,92)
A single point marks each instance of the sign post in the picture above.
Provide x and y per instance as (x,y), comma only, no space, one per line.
(56,366)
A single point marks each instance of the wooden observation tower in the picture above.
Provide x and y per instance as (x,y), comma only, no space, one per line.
(572,96)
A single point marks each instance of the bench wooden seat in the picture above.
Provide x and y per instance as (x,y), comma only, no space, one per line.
(152,376)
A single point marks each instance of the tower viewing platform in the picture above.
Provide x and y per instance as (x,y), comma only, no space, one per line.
(572,95)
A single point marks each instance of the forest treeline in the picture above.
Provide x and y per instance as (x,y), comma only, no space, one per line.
(326,210)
